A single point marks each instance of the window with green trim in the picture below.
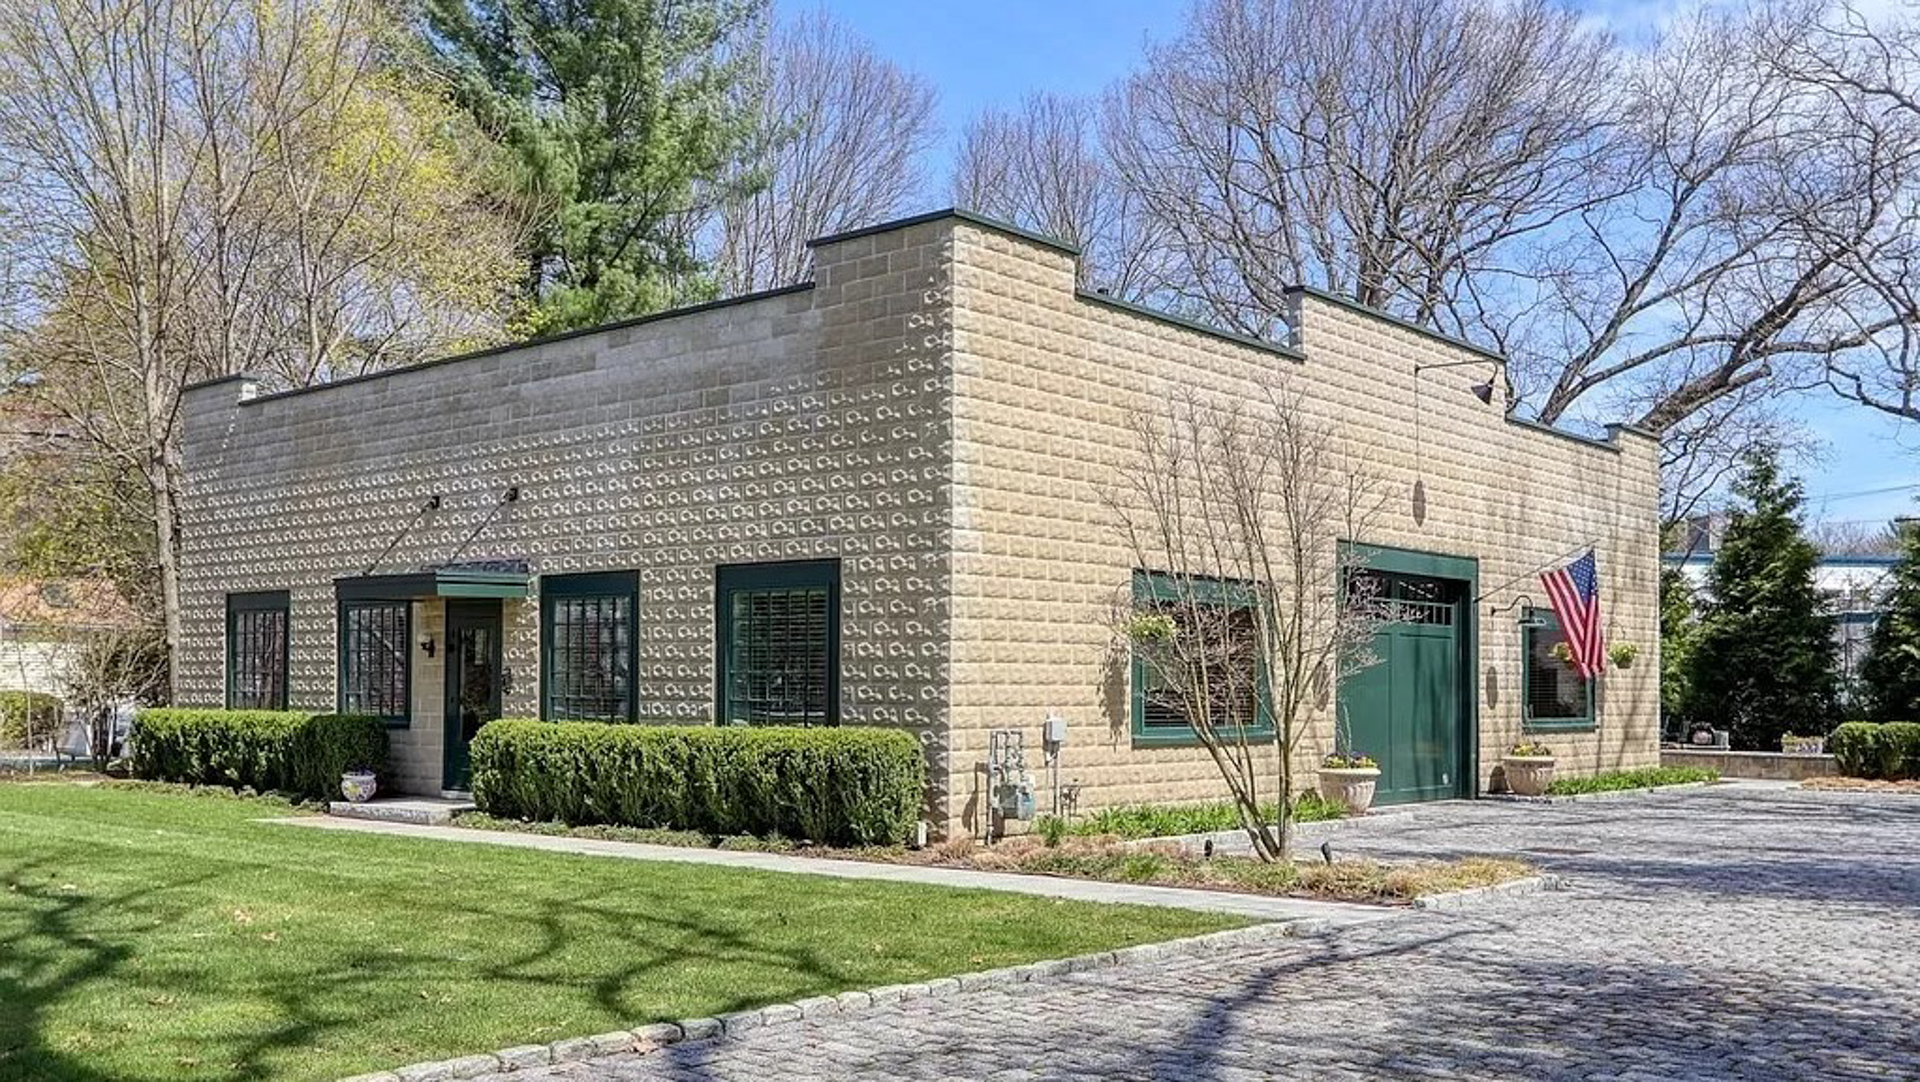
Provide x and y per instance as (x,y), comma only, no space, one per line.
(258,634)
(1212,636)
(1555,696)
(376,659)
(778,641)
(588,651)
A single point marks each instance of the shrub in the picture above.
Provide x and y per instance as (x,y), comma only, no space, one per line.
(1900,750)
(830,785)
(28,716)
(289,752)
(1856,748)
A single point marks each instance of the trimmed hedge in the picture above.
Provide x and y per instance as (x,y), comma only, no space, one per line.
(289,752)
(851,786)
(1889,751)
(28,712)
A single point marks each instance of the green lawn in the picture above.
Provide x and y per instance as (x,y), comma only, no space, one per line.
(158,935)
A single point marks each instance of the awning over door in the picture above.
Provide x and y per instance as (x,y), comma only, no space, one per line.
(433,582)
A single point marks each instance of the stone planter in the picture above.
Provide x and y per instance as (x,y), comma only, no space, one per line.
(1528,775)
(358,786)
(1350,786)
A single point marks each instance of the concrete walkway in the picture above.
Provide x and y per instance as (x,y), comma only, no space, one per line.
(1244,905)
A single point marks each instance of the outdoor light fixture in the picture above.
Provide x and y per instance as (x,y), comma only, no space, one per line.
(1482,391)
(426,645)
(1525,604)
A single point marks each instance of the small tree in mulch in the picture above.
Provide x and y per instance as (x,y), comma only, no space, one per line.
(1762,661)
(1249,608)
(1890,673)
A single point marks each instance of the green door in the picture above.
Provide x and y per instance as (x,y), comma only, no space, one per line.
(473,684)
(1406,710)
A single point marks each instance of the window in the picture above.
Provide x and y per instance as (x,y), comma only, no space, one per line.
(257,640)
(376,656)
(588,650)
(779,643)
(1555,695)
(1218,618)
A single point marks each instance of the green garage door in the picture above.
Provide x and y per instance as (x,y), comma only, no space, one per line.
(1406,710)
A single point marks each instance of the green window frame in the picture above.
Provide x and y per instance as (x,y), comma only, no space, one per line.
(1161,724)
(589,647)
(376,660)
(777,643)
(1553,697)
(259,649)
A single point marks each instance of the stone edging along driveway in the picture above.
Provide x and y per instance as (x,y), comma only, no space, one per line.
(650,1037)
(647,1038)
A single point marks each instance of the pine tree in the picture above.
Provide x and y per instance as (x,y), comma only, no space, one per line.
(622,117)
(1762,662)
(1678,627)
(1890,673)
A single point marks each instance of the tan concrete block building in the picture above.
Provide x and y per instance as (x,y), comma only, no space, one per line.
(876,499)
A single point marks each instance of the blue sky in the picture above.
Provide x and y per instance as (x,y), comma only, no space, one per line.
(992,53)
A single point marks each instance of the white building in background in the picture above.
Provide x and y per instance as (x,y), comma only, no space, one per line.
(1855,588)
(45,623)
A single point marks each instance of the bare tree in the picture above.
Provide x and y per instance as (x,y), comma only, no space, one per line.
(842,135)
(1705,451)
(1387,150)
(113,670)
(1237,510)
(1655,231)
(215,187)
(1834,537)
(1043,168)
(1866,70)
(1747,202)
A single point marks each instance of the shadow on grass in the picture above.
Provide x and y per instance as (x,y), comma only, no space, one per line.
(53,954)
(61,946)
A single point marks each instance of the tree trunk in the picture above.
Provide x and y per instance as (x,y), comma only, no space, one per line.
(167,527)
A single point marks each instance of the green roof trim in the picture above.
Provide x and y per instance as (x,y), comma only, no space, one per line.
(956,213)
(509,347)
(1388,317)
(1208,329)
(438,582)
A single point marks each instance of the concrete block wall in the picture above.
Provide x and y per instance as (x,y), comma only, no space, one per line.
(944,413)
(1048,386)
(807,424)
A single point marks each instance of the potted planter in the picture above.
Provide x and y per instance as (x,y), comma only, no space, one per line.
(1349,780)
(1529,768)
(1621,654)
(358,786)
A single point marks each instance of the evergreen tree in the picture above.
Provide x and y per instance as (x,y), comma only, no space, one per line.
(1890,673)
(622,117)
(1762,663)
(1678,627)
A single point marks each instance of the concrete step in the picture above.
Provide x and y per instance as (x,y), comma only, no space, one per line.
(426,811)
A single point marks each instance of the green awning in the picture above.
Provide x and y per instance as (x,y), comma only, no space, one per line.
(436,582)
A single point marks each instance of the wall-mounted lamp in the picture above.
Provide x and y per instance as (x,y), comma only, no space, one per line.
(1482,390)
(426,645)
(1525,605)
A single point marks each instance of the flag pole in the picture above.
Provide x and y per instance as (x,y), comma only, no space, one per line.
(1535,570)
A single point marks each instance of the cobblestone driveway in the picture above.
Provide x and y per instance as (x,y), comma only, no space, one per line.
(1733,933)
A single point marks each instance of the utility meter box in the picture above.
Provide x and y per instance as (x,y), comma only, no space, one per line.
(1056,730)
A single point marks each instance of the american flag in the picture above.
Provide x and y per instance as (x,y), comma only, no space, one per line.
(1575,593)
